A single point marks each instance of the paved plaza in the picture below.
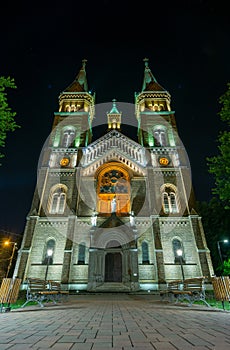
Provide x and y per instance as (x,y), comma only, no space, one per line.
(115,321)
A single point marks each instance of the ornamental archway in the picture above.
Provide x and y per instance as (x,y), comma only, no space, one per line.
(113,181)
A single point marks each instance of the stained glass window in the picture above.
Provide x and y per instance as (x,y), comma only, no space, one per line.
(113,181)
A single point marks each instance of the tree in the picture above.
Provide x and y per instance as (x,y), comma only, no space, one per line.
(216,223)
(7,121)
(219,165)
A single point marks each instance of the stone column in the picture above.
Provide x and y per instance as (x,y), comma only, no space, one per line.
(68,250)
(134,284)
(158,250)
(23,253)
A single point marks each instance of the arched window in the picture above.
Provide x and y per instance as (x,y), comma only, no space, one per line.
(81,254)
(160,136)
(178,250)
(114,181)
(113,184)
(57,200)
(165,203)
(169,199)
(145,253)
(173,203)
(49,252)
(73,108)
(68,137)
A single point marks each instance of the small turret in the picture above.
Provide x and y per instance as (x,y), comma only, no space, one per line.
(114,117)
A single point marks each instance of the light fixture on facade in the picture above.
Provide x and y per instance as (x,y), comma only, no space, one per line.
(179,254)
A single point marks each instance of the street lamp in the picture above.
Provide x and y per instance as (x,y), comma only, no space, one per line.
(7,243)
(179,254)
(49,254)
(219,250)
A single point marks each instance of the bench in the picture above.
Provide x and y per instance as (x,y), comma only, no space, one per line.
(170,288)
(221,288)
(191,289)
(38,291)
(9,291)
(56,287)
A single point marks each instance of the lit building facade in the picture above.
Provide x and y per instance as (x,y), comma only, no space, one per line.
(113,212)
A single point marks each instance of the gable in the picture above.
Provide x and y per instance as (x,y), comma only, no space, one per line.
(114,146)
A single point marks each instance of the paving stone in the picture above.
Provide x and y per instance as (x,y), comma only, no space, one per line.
(5,346)
(62,346)
(115,321)
(164,346)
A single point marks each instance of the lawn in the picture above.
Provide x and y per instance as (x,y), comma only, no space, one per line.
(212,302)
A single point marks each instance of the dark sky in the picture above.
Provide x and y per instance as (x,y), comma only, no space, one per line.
(187,43)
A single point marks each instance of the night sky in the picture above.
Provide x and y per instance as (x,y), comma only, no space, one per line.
(187,43)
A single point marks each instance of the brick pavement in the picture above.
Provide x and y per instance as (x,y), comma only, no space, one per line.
(115,321)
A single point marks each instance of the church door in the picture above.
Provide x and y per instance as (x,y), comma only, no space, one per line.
(113,267)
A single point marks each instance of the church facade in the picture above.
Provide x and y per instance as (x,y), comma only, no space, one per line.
(113,214)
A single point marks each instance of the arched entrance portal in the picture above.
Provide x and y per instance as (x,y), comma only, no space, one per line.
(113,267)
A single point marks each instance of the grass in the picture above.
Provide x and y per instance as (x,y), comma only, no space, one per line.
(20,301)
(219,305)
(213,302)
(19,304)
(216,303)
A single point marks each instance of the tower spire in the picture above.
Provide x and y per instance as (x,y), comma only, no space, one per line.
(76,97)
(84,62)
(153,97)
(148,76)
(81,77)
(80,83)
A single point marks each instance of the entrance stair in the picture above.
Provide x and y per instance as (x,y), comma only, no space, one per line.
(112,287)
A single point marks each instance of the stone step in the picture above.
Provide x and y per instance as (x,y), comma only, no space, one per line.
(112,287)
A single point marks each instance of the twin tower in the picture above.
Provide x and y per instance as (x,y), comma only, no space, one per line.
(113,214)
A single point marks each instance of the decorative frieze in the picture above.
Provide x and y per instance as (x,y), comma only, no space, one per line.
(166,173)
(83,223)
(52,223)
(62,173)
(142,223)
(176,223)
(64,151)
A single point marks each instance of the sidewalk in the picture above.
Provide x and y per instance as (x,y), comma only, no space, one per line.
(115,321)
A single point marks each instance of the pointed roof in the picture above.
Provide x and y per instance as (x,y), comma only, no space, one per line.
(150,83)
(113,146)
(80,82)
(119,141)
(114,109)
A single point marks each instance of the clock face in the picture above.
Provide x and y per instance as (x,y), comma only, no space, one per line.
(64,162)
(164,161)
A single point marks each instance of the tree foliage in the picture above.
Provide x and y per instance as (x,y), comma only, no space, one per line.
(219,165)
(7,117)
(216,223)
(224,269)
